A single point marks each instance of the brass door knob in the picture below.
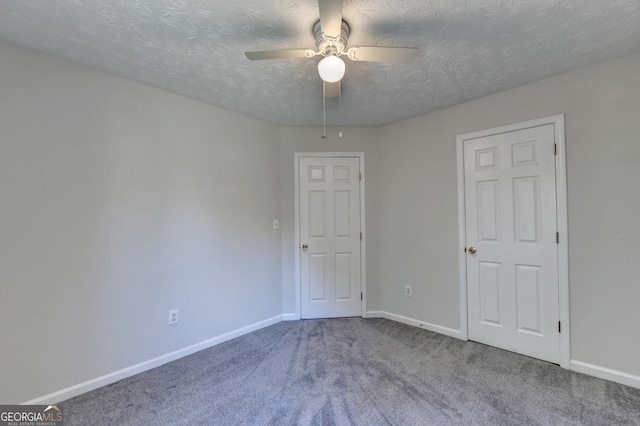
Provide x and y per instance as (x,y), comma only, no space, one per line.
(472,250)
(305,247)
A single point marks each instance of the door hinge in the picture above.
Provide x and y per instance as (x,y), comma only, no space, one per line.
(360,176)
(559,327)
(555,149)
(557,238)
(361,297)
(361,236)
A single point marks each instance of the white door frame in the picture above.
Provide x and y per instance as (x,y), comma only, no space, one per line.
(561,206)
(363,245)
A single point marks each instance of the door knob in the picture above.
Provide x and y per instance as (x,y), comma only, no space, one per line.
(305,247)
(472,250)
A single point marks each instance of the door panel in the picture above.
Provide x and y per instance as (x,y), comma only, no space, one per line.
(343,276)
(512,279)
(490,293)
(488,210)
(342,202)
(330,228)
(317,277)
(316,213)
(528,298)
(526,211)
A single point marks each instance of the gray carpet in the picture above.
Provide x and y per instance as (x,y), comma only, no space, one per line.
(355,371)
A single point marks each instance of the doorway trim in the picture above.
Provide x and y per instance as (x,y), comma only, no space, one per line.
(562,226)
(297,242)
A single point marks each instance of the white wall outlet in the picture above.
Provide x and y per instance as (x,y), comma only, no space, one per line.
(276,224)
(173,317)
(407,290)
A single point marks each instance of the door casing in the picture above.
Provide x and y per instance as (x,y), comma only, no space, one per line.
(562,226)
(363,262)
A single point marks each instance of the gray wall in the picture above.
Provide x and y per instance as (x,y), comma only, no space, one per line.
(418,225)
(417,205)
(411,194)
(119,202)
(308,139)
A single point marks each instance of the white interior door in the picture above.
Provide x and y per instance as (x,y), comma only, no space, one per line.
(512,258)
(330,276)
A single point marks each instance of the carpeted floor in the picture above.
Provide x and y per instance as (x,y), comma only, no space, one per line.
(355,371)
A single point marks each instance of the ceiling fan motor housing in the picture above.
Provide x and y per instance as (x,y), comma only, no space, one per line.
(331,45)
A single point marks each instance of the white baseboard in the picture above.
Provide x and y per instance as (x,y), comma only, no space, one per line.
(416,323)
(577,366)
(606,373)
(75,390)
(89,385)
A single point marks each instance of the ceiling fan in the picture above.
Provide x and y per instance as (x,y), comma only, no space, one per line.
(331,34)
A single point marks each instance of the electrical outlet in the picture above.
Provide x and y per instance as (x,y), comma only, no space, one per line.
(407,290)
(173,317)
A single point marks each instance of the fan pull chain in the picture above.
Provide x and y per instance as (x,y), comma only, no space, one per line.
(340,108)
(324,111)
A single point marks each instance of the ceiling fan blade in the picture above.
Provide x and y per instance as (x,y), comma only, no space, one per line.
(397,55)
(280,54)
(331,90)
(330,17)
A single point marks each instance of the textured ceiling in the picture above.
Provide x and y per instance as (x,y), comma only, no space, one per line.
(467,49)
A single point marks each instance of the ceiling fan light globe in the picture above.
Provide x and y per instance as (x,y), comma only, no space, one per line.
(331,69)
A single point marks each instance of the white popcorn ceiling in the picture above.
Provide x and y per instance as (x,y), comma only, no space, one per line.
(467,49)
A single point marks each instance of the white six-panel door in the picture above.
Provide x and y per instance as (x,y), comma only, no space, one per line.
(512,278)
(330,276)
